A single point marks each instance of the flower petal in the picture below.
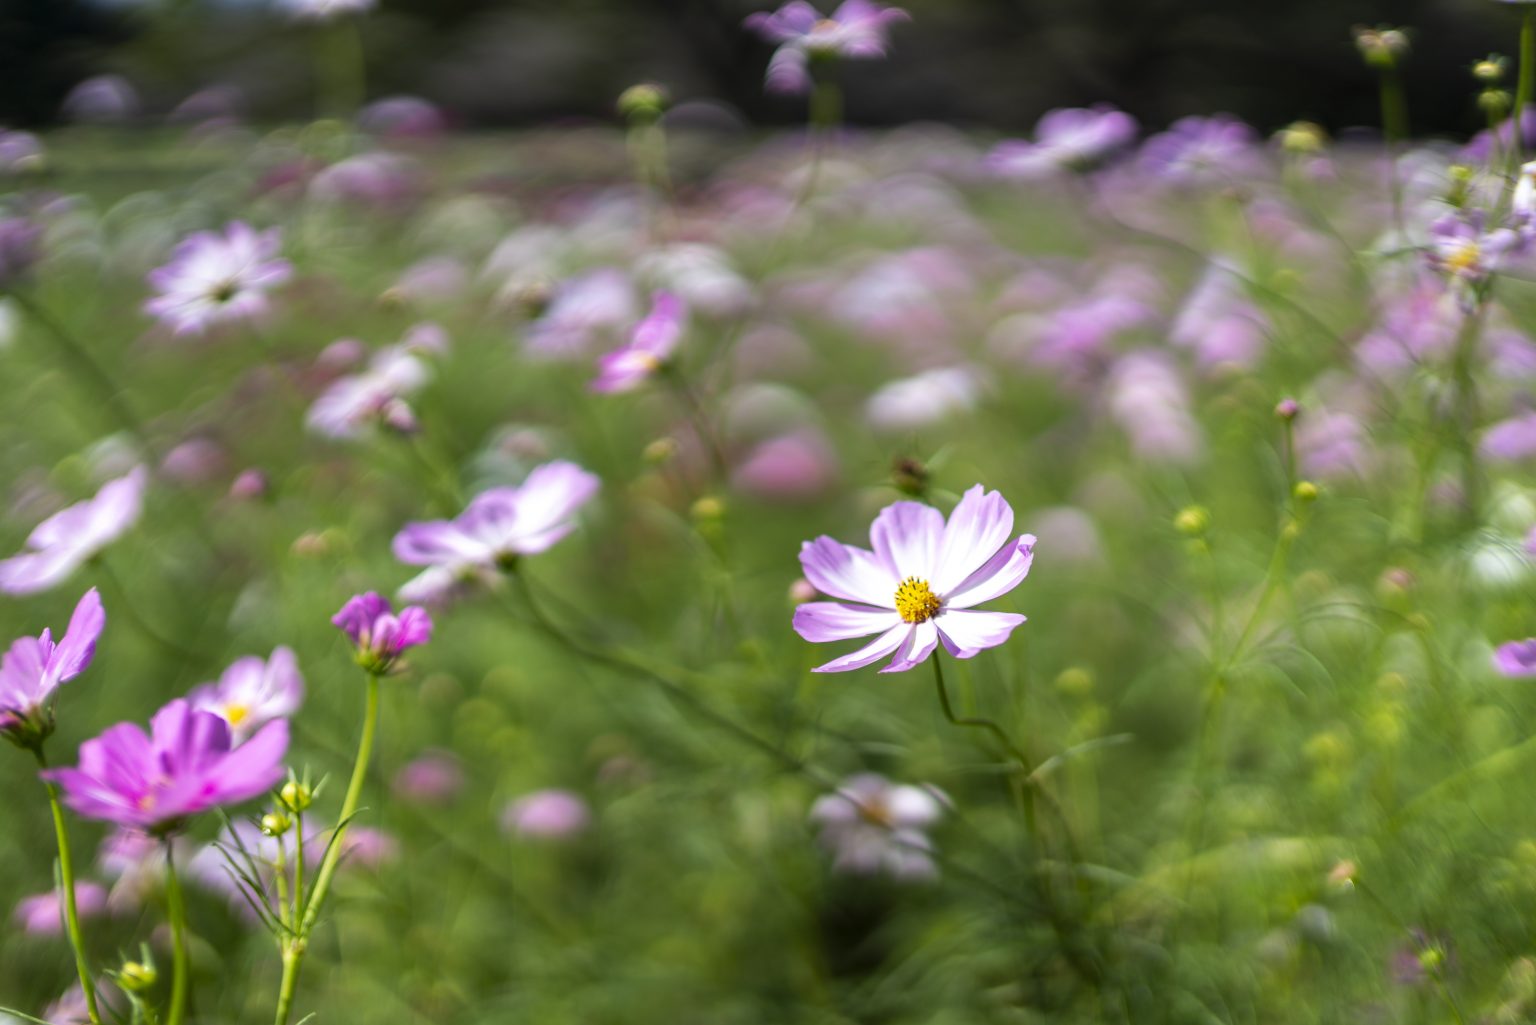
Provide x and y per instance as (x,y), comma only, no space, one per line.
(966,633)
(872,652)
(916,649)
(820,621)
(1001,574)
(853,574)
(906,538)
(978,527)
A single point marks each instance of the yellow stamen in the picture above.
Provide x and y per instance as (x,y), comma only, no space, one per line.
(915,601)
(1463,258)
(236,714)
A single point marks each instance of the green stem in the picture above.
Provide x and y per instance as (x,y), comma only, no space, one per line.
(67,884)
(1394,126)
(298,866)
(975,723)
(294,948)
(180,975)
(1526,89)
(1466,415)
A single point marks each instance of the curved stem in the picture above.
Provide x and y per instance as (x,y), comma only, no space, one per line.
(180,974)
(294,948)
(67,884)
(975,723)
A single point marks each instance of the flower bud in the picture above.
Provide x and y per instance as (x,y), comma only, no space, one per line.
(1381,47)
(1305,491)
(1494,102)
(296,796)
(643,103)
(1192,521)
(136,976)
(910,477)
(1074,682)
(802,591)
(707,509)
(1489,70)
(1302,138)
(660,451)
(1287,409)
(275,823)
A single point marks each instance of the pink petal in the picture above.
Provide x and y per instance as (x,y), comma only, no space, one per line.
(978,527)
(842,571)
(906,539)
(966,633)
(820,621)
(1002,573)
(872,652)
(916,649)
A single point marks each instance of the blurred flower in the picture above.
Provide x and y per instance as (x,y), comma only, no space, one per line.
(1202,151)
(252,692)
(1073,139)
(43,915)
(379,636)
(1465,253)
(68,539)
(700,275)
(1510,440)
(501,524)
(34,667)
(20,151)
(871,825)
(1149,400)
(914,588)
(924,399)
(19,249)
(212,278)
(433,777)
(375,397)
(547,815)
(104,99)
(368,179)
(402,117)
(1219,323)
(796,466)
(324,10)
(650,346)
(249,484)
(1382,47)
(1516,658)
(1420,958)
(185,766)
(582,309)
(194,461)
(857,29)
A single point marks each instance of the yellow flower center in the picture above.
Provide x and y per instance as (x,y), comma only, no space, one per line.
(876,812)
(1464,258)
(915,601)
(236,714)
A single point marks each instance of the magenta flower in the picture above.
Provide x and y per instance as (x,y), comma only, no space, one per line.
(252,692)
(871,825)
(379,635)
(43,915)
(186,765)
(69,538)
(855,30)
(916,588)
(499,525)
(212,278)
(433,777)
(1516,658)
(34,667)
(650,346)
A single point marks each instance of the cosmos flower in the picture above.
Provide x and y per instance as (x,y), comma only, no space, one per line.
(186,765)
(871,825)
(1465,252)
(856,30)
(925,399)
(212,278)
(547,815)
(650,346)
(433,777)
(501,524)
(917,587)
(1202,150)
(252,692)
(1516,658)
(69,538)
(1073,139)
(379,636)
(43,915)
(35,667)
(592,305)
(377,396)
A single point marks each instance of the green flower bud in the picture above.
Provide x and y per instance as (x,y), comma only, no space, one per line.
(1192,521)
(275,823)
(296,796)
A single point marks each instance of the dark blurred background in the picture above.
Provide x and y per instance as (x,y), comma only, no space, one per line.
(990,63)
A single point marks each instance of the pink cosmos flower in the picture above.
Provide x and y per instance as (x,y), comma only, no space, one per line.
(69,538)
(1516,658)
(1072,139)
(252,692)
(917,587)
(353,404)
(212,278)
(649,348)
(872,825)
(379,635)
(34,667)
(433,777)
(547,815)
(499,525)
(187,764)
(43,915)
(855,30)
